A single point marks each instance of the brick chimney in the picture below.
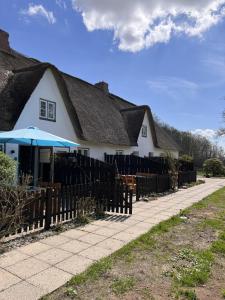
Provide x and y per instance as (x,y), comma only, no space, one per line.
(103,86)
(4,41)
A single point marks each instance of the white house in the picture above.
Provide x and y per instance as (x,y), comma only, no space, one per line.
(38,94)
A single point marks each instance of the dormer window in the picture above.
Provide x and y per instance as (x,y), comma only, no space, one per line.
(144,131)
(47,110)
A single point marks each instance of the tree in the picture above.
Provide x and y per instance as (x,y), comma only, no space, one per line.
(196,146)
(213,166)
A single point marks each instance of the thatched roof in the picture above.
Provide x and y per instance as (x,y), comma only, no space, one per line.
(97,116)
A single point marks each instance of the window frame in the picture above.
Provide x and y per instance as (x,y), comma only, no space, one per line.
(144,131)
(47,102)
(119,152)
(80,150)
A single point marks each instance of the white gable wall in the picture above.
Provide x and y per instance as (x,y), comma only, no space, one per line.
(145,144)
(47,89)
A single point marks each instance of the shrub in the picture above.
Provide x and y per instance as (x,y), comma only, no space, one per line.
(7,169)
(186,158)
(213,166)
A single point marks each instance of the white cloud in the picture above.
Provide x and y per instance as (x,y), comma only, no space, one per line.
(165,83)
(208,133)
(39,10)
(173,86)
(139,24)
(61,4)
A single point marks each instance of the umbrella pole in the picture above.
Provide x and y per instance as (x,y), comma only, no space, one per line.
(31,159)
(52,165)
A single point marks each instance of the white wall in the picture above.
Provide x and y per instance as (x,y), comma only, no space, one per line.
(47,89)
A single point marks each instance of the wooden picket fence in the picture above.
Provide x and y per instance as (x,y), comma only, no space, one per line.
(186,177)
(131,164)
(55,206)
(151,184)
(74,168)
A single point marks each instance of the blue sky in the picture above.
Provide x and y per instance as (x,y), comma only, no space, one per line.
(179,73)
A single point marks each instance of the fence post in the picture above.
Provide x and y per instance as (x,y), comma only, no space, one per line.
(48,208)
(137,189)
(130,197)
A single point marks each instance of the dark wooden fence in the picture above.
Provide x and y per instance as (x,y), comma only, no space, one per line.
(151,184)
(186,177)
(131,164)
(74,168)
(54,206)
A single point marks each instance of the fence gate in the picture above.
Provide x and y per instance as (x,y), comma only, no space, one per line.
(114,197)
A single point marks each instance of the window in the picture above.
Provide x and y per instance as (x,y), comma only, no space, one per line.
(144,131)
(47,110)
(119,152)
(83,151)
(135,153)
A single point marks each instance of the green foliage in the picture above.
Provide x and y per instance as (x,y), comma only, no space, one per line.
(7,169)
(213,166)
(186,158)
(122,285)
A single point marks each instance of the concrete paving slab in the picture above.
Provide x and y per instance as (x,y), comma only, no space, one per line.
(90,228)
(75,264)
(27,267)
(22,291)
(7,279)
(50,279)
(53,256)
(96,252)
(111,244)
(55,240)
(74,246)
(11,257)
(92,238)
(34,248)
(73,233)
(105,231)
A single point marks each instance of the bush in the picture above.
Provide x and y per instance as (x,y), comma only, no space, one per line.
(213,166)
(7,169)
(186,158)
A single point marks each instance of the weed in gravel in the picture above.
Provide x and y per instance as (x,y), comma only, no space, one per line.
(188,294)
(222,236)
(192,267)
(223,293)
(122,285)
(71,292)
(93,272)
(217,224)
(218,247)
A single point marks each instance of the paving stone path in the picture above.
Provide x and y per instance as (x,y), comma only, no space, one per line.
(34,270)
